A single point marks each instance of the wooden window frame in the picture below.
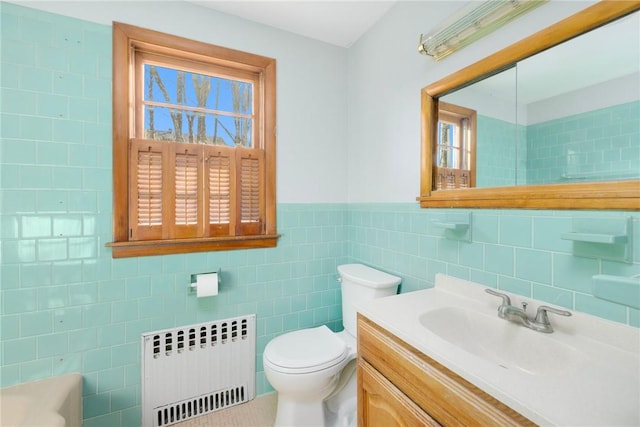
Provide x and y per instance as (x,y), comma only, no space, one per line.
(455,114)
(127,40)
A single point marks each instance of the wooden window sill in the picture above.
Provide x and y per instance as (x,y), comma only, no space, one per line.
(179,246)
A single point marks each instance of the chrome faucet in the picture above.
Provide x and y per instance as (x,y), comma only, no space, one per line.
(515,314)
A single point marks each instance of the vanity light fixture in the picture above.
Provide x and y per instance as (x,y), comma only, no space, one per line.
(471,23)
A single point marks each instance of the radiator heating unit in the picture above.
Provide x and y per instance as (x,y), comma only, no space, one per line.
(197,369)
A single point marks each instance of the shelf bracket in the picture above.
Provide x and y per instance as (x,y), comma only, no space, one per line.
(456,226)
(606,238)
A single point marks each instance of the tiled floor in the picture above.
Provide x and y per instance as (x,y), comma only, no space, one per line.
(259,412)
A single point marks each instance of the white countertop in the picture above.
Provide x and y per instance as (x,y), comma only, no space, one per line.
(601,386)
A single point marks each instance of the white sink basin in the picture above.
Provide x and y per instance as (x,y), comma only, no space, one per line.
(500,341)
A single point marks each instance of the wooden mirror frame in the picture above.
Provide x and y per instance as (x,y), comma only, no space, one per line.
(623,195)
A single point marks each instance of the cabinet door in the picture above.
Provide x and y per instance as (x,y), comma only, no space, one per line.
(381,404)
(436,390)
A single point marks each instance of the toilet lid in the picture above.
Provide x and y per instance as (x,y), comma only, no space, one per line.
(306,350)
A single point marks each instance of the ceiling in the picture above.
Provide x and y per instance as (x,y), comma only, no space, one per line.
(340,23)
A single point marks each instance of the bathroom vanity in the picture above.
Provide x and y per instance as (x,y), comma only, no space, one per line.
(400,385)
(442,356)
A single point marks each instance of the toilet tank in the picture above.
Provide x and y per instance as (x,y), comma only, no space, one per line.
(360,283)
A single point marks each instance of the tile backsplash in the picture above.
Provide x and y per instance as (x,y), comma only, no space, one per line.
(68,306)
(62,313)
(520,251)
(597,145)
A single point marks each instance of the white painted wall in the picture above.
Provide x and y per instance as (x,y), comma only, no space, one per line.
(348,120)
(311,79)
(613,92)
(386,74)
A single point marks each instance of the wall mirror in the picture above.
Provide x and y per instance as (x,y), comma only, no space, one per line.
(555,120)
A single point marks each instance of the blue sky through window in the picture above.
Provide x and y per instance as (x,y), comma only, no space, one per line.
(210,109)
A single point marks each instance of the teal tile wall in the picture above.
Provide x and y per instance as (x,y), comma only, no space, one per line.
(597,145)
(600,144)
(499,160)
(86,314)
(68,306)
(519,251)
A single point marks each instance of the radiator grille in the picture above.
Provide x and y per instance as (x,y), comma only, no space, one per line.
(190,408)
(197,369)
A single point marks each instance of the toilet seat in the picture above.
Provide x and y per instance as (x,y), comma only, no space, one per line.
(305,351)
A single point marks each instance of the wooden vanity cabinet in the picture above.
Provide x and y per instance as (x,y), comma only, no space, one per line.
(400,386)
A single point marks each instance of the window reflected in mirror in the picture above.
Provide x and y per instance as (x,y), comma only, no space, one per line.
(496,140)
(455,152)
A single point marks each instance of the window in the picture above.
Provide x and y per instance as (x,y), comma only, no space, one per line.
(193,146)
(455,159)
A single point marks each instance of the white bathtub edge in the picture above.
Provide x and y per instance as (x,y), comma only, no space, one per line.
(54,401)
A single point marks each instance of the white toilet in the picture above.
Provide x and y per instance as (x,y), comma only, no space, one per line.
(313,369)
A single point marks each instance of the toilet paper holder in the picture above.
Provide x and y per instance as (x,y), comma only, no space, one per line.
(193,286)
